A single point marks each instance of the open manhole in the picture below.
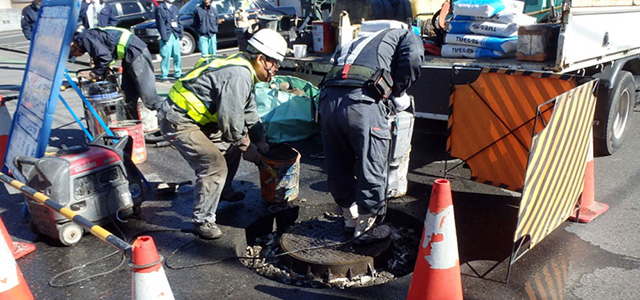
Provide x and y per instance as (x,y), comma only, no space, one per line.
(317,253)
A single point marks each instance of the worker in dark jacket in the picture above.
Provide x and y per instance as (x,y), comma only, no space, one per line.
(206,21)
(365,86)
(210,116)
(29,18)
(171,31)
(99,14)
(105,46)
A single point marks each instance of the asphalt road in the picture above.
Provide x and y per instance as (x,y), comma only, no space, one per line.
(599,260)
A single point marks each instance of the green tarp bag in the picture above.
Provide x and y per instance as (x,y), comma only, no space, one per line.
(287,117)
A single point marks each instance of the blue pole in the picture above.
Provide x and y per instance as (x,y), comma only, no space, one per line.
(76,118)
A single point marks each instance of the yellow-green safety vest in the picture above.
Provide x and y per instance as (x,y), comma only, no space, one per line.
(190,102)
(122,42)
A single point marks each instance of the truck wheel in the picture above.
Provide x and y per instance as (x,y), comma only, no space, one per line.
(69,234)
(187,44)
(617,115)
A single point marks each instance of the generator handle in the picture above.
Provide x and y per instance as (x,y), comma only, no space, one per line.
(120,144)
(18,161)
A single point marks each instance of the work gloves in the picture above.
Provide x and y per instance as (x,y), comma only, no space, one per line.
(402,102)
(251,151)
(88,75)
(252,154)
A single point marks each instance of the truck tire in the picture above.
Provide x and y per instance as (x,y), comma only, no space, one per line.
(616,113)
(187,44)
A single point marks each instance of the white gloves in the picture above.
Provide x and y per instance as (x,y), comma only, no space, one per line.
(402,102)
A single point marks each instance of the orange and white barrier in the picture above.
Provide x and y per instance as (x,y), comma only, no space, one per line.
(149,280)
(589,207)
(436,275)
(12,283)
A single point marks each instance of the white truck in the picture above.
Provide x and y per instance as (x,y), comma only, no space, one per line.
(597,38)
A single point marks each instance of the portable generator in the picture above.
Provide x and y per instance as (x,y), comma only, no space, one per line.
(98,181)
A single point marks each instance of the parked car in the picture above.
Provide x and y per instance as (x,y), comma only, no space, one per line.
(132,12)
(148,32)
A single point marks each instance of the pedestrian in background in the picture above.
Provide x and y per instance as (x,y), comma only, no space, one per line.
(206,21)
(99,14)
(171,31)
(29,18)
(365,86)
(211,117)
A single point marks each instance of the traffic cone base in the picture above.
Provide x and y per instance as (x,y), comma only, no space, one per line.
(436,275)
(12,283)
(587,214)
(589,208)
(22,249)
(18,249)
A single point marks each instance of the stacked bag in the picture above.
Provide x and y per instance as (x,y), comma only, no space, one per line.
(485,28)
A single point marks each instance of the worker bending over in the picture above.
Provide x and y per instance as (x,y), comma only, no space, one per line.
(359,94)
(105,46)
(210,116)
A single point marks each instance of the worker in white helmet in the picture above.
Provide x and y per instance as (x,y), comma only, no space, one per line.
(210,116)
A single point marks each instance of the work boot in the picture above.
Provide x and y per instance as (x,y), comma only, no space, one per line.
(350,215)
(234,197)
(368,232)
(208,231)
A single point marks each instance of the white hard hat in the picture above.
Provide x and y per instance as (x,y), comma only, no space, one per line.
(270,43)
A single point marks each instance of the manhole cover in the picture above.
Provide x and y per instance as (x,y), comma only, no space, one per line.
(320,248)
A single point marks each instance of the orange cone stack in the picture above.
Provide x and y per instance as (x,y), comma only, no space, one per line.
(436,275)
(12,283)
(17,249)
(5,127)
(589,207)
(149,280)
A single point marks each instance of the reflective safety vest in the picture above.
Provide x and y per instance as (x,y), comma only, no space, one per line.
(122,42)
(190,102)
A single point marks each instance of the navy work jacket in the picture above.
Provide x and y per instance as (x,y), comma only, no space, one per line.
(164,18)
(206,20)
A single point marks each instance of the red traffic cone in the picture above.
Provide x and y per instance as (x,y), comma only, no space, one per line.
(18,249)
(12,283)
(436,275)
(5,127)
(589,207)
(149,280)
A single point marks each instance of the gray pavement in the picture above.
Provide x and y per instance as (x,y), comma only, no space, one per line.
(599,260)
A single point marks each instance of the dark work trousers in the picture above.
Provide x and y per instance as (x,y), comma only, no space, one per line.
(139,81)
(215,162)
(356,138)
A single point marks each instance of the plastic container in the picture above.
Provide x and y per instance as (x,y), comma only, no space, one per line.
(132,128)
(284,162)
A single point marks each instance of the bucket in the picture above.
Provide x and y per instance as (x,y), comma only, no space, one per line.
(108,103)
(300,50)
(132,128)
(284,161)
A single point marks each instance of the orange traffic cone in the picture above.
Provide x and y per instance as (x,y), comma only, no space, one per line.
(589,207)
(149,280)
(436,275)
(5,127)
(18,249)
(12,284)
